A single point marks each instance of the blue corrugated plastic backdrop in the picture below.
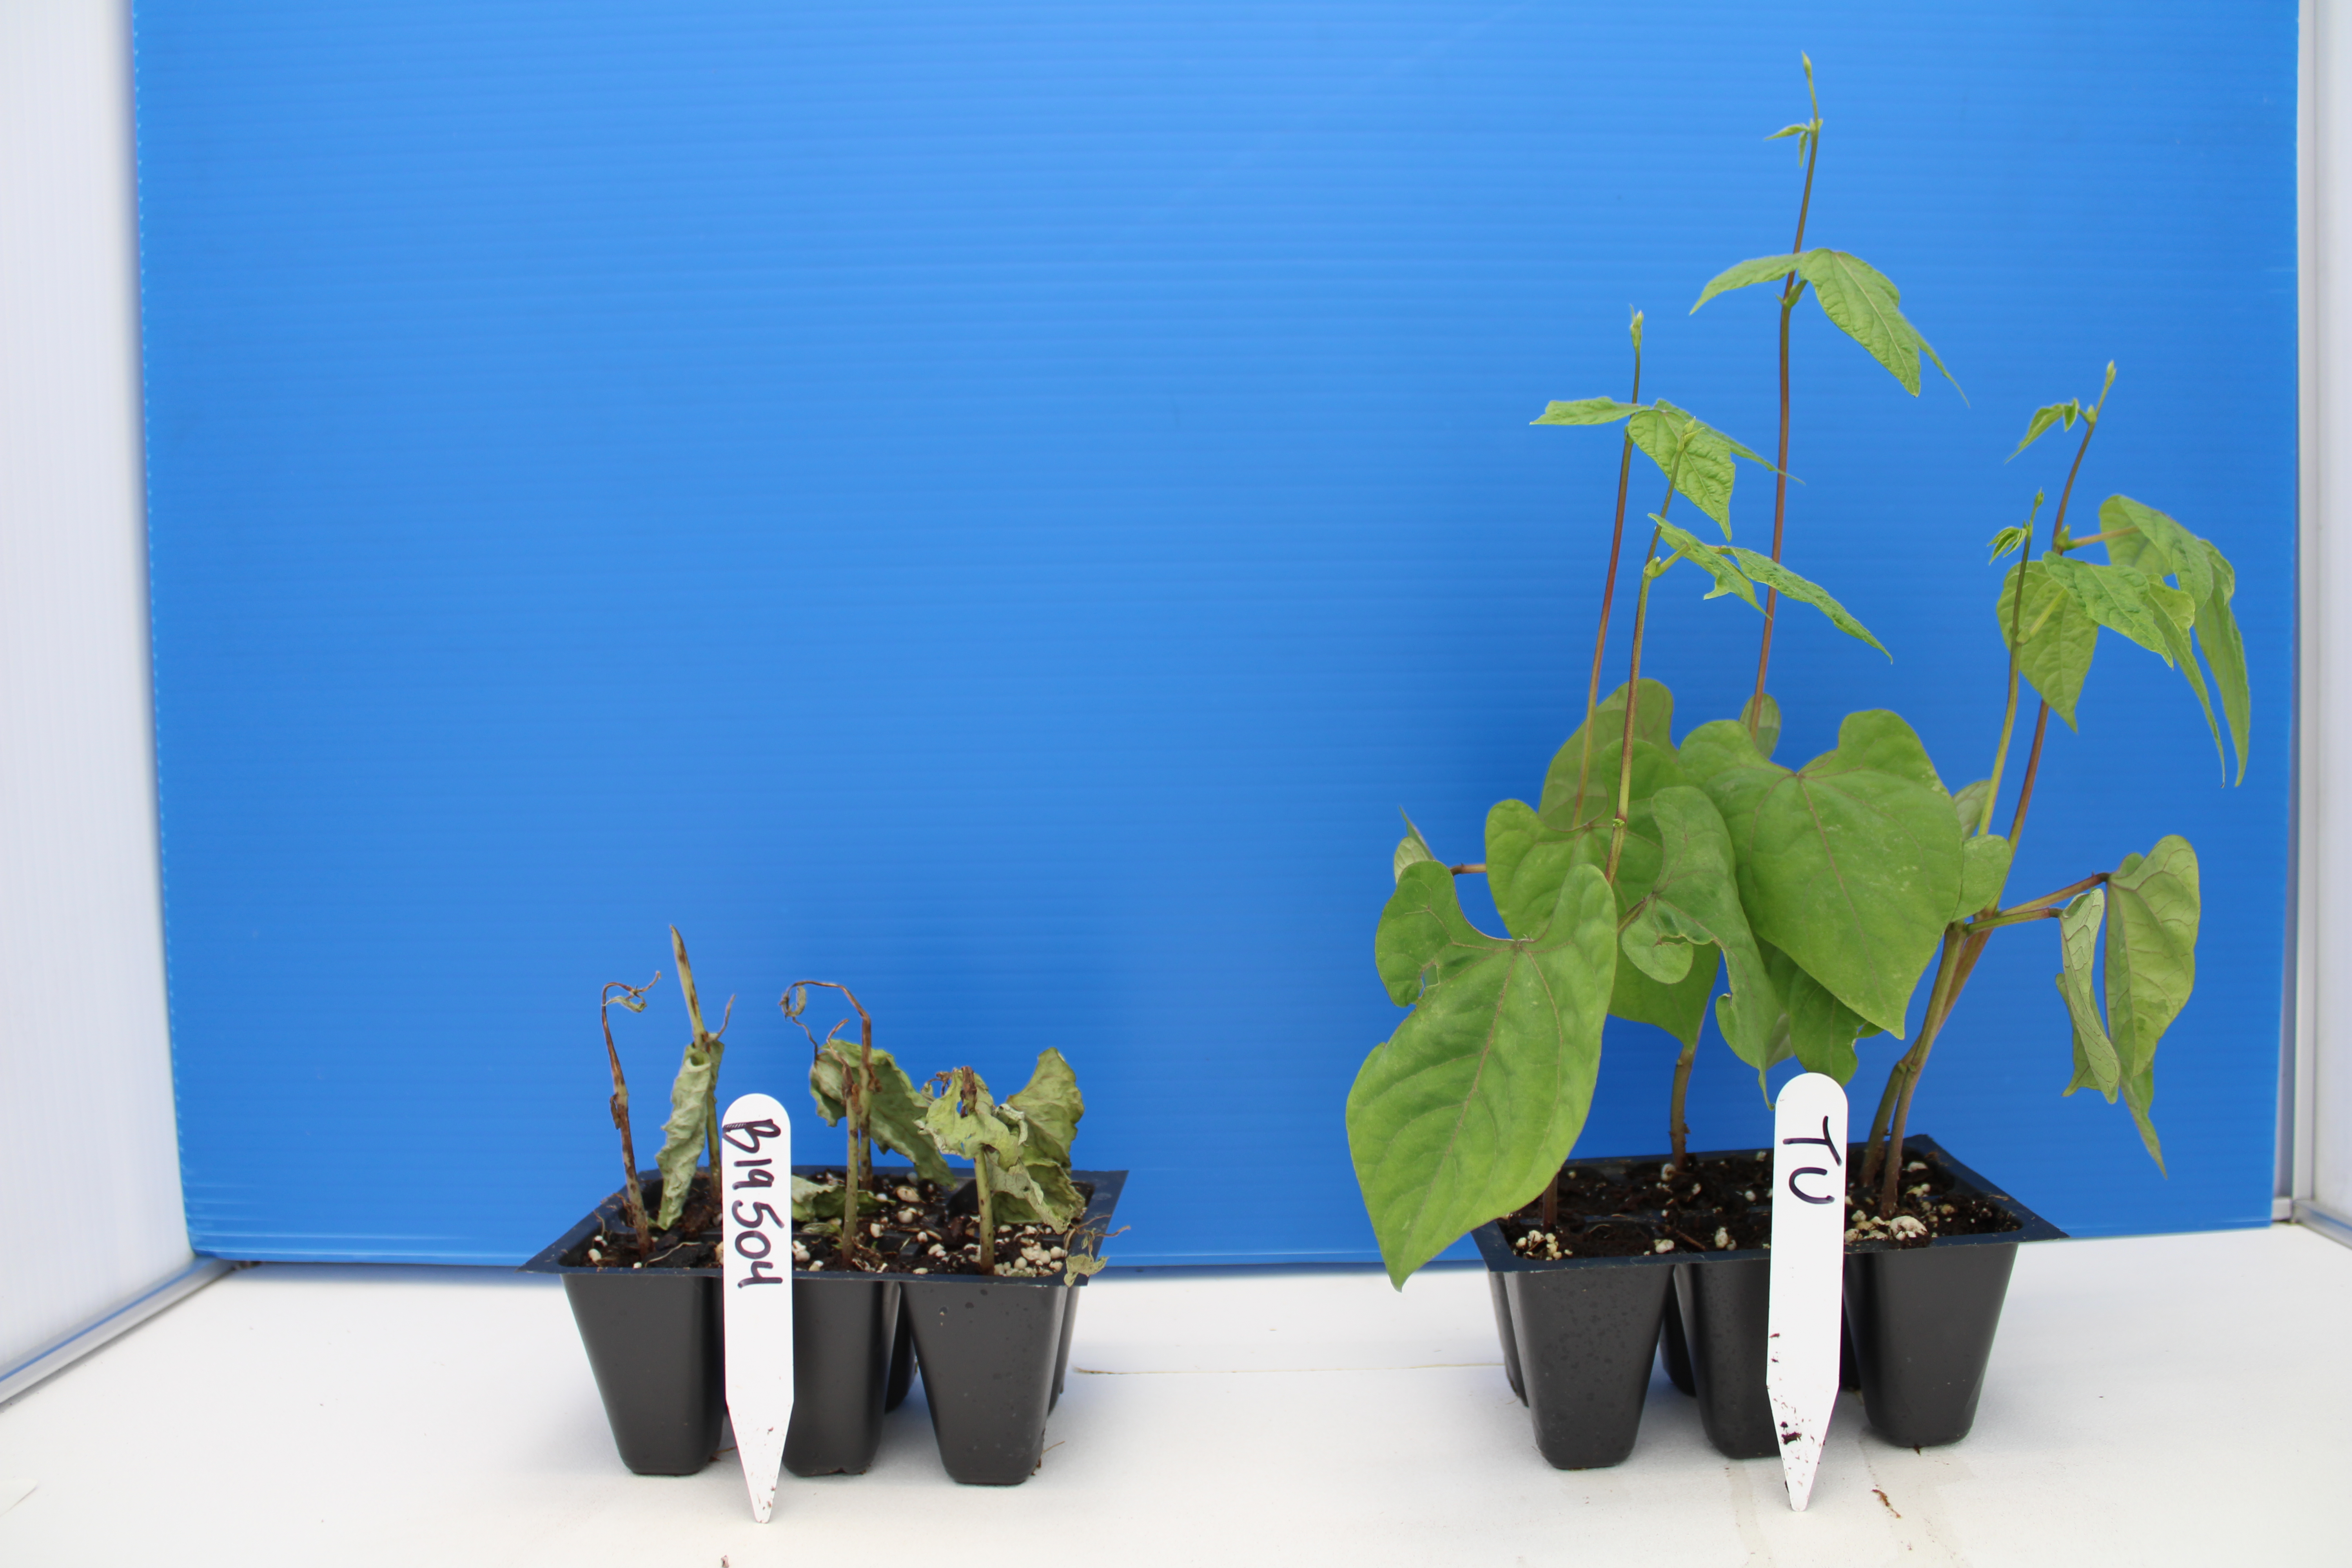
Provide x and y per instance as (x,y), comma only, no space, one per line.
(1000,506)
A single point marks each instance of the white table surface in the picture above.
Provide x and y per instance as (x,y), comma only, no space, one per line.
(2156,1400)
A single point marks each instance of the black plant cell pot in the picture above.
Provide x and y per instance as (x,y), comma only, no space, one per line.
(1581,1333)
(988,1349)
(654,1342)
(1921,1319)
(844,1330)
(994,1353)
(1673,1347)
(1724,1301)
(902,1363)
(1503,1331)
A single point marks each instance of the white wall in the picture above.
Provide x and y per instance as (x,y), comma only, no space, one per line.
(2322,1102)
(89,1151)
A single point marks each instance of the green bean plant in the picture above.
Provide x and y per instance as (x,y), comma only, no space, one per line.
(1648,869)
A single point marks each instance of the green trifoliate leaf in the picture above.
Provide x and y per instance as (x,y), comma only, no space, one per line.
(2078,946)
(2146,540)
(1694,454)
(1410,848)
(2008,541)
(1856,296)
(2152,916)
(1765,730)
(2225,650)
(1469,1108)
(1969,804)
(1984,871)
(1747,274)
(1586,411)
(2063,413)
(2117,597)
(1819,1029)
(2057,635)
(1866,307)
(1781,579)
(894,1106)
(1851,864)
(1708,558)
(1693,905)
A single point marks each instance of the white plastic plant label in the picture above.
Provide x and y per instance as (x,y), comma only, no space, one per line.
(756,1147)
(1801,1373)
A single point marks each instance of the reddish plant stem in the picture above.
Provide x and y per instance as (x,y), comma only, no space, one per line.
(2026,787)
(1608,600)
(1678,1129)
(1791,287)
(1952,978)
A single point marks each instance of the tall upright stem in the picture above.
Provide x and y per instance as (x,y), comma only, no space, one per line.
(2041,722)
(1960,957)
(2025,790)
(1607,599)
(1792,287)
(1633,694)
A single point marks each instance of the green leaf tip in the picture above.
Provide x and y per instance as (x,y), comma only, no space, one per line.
(1411,850)
(2008,541)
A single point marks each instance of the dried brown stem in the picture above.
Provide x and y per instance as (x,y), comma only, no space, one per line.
(633,1197)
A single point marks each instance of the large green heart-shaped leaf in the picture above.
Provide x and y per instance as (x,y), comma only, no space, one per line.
(1851,864)
(1471,1107)
(1819,1029)
(1576,790)
(2055,636)
(2151,951)
(1528,858)
(1693,906)
(1529,852)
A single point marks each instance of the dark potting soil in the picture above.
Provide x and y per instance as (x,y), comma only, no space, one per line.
(908,1226)
(692,1243)
(1616,1208)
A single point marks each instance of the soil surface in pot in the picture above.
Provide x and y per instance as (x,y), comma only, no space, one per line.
(908,1226)
(1723,1203)
(692,1243)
